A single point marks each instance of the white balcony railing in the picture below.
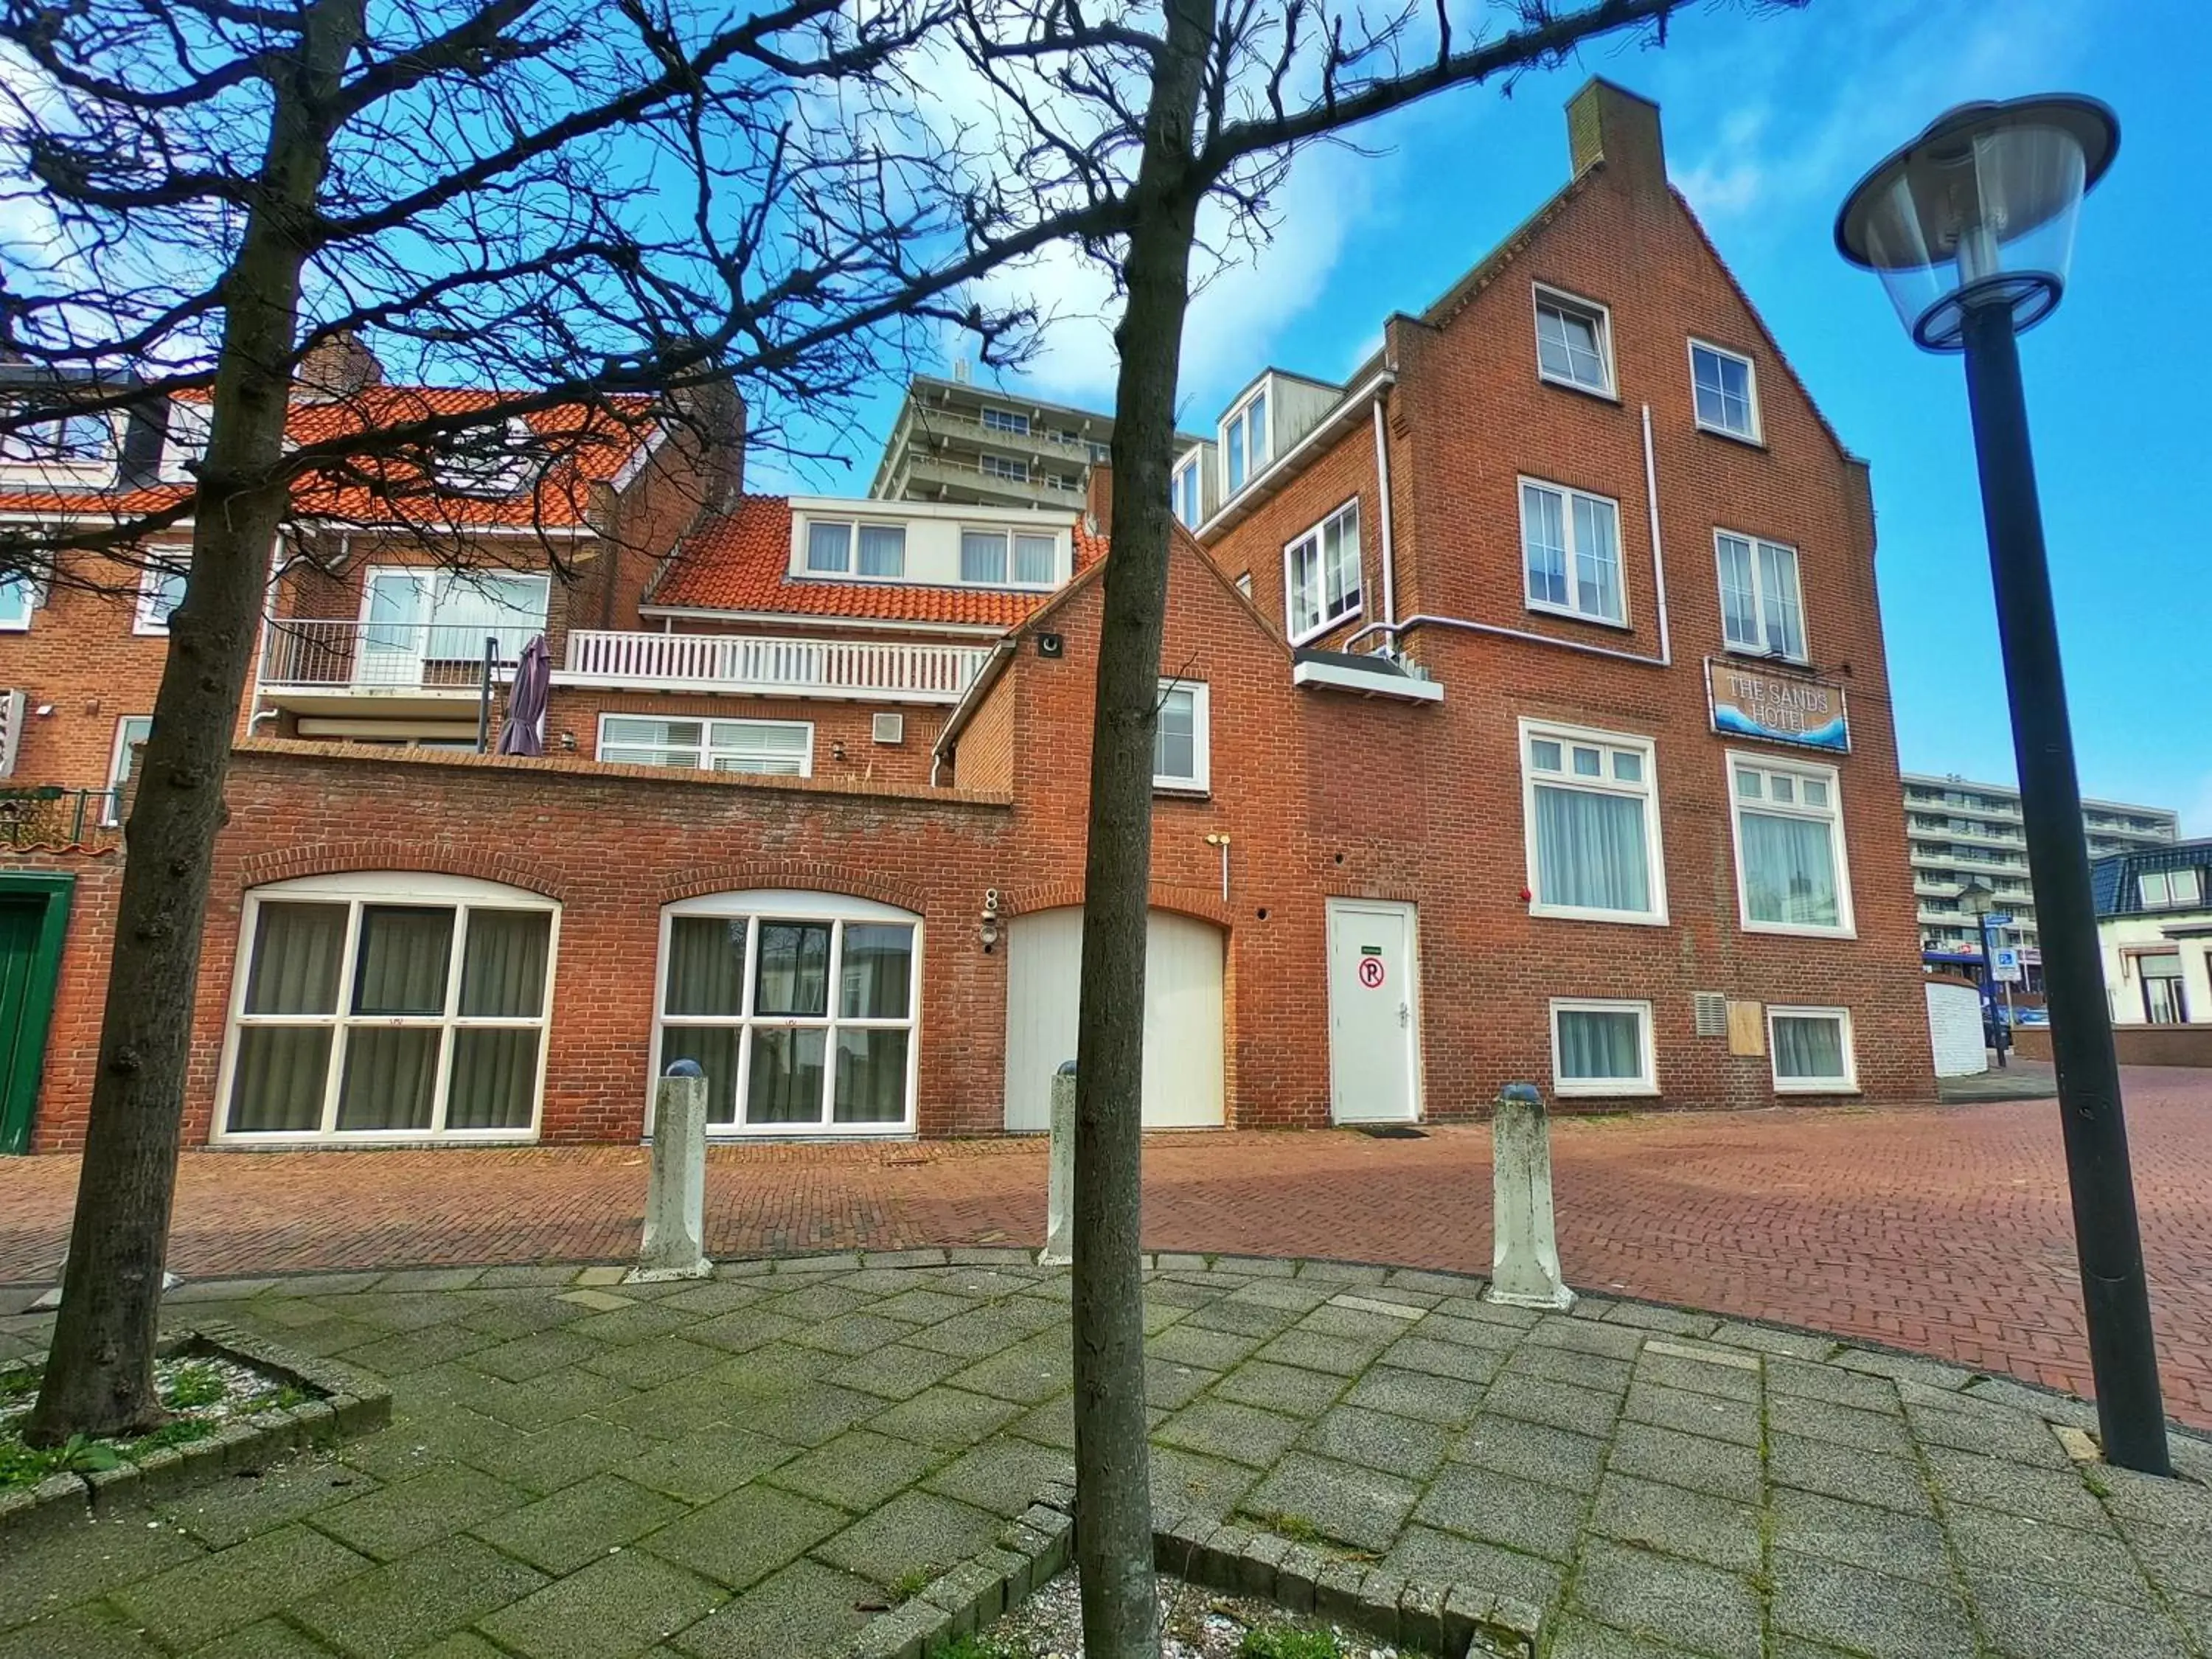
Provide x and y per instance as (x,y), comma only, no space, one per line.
(385,656)
(892,672)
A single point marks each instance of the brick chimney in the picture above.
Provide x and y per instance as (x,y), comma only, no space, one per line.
(1611,125)
(1099,499)
(337,366)
(714,413)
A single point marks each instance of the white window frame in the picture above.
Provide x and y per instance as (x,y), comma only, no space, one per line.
(1846,924)
(1009,538)
(1646,1083)
(143,620)
(1187,479)
(1756,435)
(1544,296)
(707,749)
(473,462)
(781,905)
(185,439)
(41,450)
(459,893)
(855,529)
(1848,1084)
(1533,731)
(2170,897)
(1011,421)
(1566,493)
(33,595)
(1318,536)
(1759,596)
(1255,461)
(1202,744)
(118,762)
(1008,469)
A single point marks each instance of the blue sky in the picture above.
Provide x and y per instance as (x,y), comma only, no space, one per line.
(1769,120)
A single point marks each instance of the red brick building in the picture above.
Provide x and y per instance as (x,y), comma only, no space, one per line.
(1524,716)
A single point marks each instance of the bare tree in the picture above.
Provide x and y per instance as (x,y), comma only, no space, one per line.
(1159,122)
(609,208)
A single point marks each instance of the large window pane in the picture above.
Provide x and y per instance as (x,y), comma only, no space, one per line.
(1600,1044)
(1597,560)
(503,964)
(1036,559)
(787,1076)
(829,547)
(1789,870)
(1777,584)
(1175,739)
(494,1079)
(877,970)
(1808,1048)
(402,963)
(871,1077)
(794,977)
(705,965)
(715,1048)
(883,550)
(982,555)
(297,951)
(391,1078)
(1738,596)
(1590,850)
(278,1083)
(1544,530)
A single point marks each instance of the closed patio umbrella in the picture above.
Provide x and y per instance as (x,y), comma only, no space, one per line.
(523,733)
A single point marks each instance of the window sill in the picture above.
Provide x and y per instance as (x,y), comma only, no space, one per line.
(1537,608)
(1320,630)
(1605,395)
(397,1139)
(1791,930)
(1801,1089)
(1766,659)
(1607,1091)
(151,631)
(1181,791)
(1618,918)
(1747,441)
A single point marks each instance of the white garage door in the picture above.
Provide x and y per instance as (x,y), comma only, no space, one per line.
(1183,1017)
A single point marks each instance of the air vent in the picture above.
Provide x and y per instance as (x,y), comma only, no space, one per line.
(1712,1013)
(891,728)
(13,706)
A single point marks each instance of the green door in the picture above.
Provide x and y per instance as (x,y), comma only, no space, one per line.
(34,921)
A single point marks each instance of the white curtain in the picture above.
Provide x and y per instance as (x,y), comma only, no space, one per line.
(871,1077)
(1807,1049)
(1599,1043)
(1789,870)
(1590,850)
(278,1082)
(876,971)
(883,550)
(705,965)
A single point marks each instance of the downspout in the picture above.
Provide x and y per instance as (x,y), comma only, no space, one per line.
(1658,557)
(1383,487)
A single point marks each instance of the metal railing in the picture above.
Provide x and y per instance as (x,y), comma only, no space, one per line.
(385,656)
(894,670)
(51,816)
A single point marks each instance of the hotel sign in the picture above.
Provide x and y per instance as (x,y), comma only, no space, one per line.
(1778,708)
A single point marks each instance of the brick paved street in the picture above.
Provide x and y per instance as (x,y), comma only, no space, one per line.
(756,1466)
(1945,1230)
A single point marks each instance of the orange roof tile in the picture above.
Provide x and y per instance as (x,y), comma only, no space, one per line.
(742,562)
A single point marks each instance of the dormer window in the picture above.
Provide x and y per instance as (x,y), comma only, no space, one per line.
(2164,889)
(835,548)
(488,461)
(1574,344)
(185,445)
(1184,492)
(61,439)
(985,556)
(1246,447)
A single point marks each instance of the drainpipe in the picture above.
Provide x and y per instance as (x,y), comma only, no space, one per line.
(1383,487)
(1658,557)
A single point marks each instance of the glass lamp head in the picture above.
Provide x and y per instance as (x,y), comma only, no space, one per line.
(1979,210)
(1975,899)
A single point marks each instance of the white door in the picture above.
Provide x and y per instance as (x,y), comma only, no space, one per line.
(1183,1086)
(1374,1013)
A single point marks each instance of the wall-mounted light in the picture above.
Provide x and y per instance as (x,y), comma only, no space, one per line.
(989,931)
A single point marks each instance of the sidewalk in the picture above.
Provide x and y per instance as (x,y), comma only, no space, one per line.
(737,1469)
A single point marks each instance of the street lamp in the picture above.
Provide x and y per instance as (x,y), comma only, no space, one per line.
(1977,900)
(1971,229)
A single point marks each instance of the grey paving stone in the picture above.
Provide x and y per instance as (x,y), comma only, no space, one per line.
(1359,1324)
(404,1606)
(1834,1471)
(2195,1613)
(233,1510)
(1419,1395)
(1052,1423)
(852,1335)
(813,1304)
(1443,1358)
(1533,1451)
(1679,1521)
(857,1470)
(1273,1293)
(1860,1535)
(1171,1386)
(1586,1336)
(1002,1475)
(1225,1428)
(1769,1340)
(1577,1637)
(897,1371)
(943,1416)
(580,1522)
(701,1467)
(1029,1372)
(811,1415)
(1904,1367)
(923,1306)
(1428,1556)
(398,1354)
(619,1606)
(2164,1503)
(46,1574)
(404,1516)
(1886,1618)
(1688,1460)
(2032,1618)
(713,1297)
(978,1334)
(1819,1419)
(916,1532)
(526,1357)
(1288,1388)
(1700,1375)
(742,1329)
(553,1398)
(98,1631)
(1693,1605)
(1832,1383)
(1589,1370)
(2095,1563)
(1499,1316)
(1343,1356)
(2038,1402)
(659,1359)
(552,1458)
(805,1608)
(1504,1510)
(1344,1272)
(1397,1445)
(1194,1345)
(1188,1483)
(1243,1318)
(1997,1434)
(194,1603)
(272,1638)
(1710,1415)
(739,1539)
(1363,1508)
(1581,1410)
(2014,1488)
(2176,1557)
(1674,1322)
(1450,1327)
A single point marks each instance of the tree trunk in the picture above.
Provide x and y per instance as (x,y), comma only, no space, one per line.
(1114,1528)
(99,1380)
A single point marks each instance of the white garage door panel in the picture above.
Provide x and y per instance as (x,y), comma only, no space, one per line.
(1183,1085)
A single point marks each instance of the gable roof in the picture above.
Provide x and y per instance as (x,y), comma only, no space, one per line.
(2114,886)
(740,561)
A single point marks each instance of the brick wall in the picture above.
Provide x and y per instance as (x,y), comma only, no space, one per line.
(849,726)
(83,657)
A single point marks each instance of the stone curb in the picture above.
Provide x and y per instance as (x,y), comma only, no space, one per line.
(1028,1552)
(346,1402)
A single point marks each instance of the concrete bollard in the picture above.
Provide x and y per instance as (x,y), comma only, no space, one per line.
(1059,1196)
(1524,1256)
(676,1202)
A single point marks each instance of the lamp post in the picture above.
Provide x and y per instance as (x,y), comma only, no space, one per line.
(1971,229)
(1977,900)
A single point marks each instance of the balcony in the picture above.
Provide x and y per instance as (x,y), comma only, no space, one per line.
(746,665)
(396,669)
(938,476)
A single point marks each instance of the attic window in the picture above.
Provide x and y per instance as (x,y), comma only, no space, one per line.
(186,444)
(62,439)
(488,461)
